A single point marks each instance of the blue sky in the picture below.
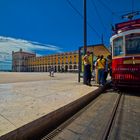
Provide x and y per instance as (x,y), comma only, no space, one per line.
(54,24)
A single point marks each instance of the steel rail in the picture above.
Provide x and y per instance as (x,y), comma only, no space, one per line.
(112,118)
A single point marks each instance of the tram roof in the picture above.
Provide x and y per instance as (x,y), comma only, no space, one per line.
(124,26)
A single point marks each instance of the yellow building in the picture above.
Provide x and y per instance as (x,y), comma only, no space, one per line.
(97,50)
(62,62)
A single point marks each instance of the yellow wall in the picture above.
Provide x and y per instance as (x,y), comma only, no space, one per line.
(53,59)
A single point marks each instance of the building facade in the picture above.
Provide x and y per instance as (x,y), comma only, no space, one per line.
(19,60)
(28,62)
(62,62)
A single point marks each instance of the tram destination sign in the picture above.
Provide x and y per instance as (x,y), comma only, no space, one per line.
(128,25)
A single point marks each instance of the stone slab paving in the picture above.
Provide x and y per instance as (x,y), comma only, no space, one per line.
(90,124)
(127,123)
(91,121)
(25,97)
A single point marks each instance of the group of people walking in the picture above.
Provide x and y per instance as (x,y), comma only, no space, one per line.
(102,67)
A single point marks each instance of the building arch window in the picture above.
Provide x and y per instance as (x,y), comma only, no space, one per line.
(75,66)
(70,67)
(59,68)
(66,68)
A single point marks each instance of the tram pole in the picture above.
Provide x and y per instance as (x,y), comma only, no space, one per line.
(85,36)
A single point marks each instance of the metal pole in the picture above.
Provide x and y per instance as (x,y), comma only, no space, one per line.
(85,36)
(85,28)
(79,64)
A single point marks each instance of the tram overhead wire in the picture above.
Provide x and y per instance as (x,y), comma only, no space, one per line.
(100,19)
(75,9)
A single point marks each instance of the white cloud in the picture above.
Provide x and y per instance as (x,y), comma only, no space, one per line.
(8,44)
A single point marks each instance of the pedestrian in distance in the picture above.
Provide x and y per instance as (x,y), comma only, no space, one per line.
(52,72)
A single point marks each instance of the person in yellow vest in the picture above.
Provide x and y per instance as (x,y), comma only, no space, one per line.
(87,69)
(101,68)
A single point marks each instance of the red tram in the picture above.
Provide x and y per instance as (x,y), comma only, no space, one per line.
(126,54)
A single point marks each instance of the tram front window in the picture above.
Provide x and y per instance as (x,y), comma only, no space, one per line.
(118,46)
(133,43)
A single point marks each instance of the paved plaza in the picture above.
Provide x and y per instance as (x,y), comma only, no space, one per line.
(25,97)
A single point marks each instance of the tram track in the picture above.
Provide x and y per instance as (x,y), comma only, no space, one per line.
(84,116)
(97,121)
(68,122)
(112,118)
(126,124)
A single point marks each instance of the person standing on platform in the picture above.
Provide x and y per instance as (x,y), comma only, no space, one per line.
(101,69)
(87,69)
(96,70)
(107,67)
(110,65)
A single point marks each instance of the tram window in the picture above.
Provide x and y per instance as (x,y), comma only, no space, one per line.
(118,46)
(133,43)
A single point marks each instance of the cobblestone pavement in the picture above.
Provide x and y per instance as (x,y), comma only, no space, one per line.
(90,123)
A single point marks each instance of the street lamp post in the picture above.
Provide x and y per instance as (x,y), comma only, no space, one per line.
(85,36)
(85,28)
